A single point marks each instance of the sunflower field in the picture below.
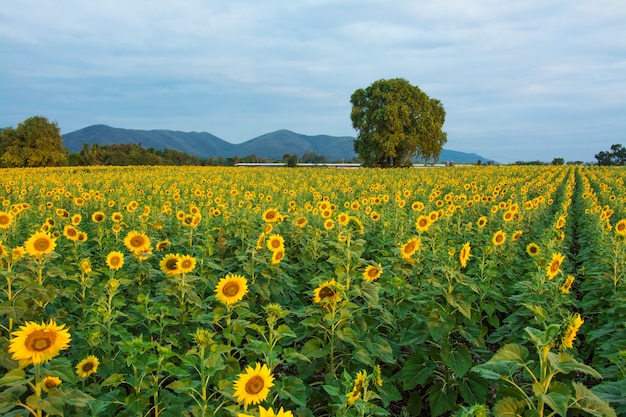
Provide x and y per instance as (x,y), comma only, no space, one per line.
(224,291)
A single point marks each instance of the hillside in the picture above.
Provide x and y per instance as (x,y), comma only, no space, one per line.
(202,144)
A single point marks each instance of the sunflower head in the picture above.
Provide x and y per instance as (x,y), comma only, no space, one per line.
(423,223)
(98,217)
(87,366)
(49,382)
(186,264)
(465,254)
(115,260)
(270,215)
(372,273)
(409,248)
(275,242)
(37,343)
(40,244)
(253,385)
(278,256)
(532,249)
(327,292)
(620,228)
(169,264)
(231,289)
(5,220)
(554,267)
(136,242)
(499,238)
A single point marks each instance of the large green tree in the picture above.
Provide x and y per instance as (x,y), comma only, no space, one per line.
(395,122)
(617,156)
(36,142)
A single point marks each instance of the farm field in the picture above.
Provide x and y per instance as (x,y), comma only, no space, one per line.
(225,291)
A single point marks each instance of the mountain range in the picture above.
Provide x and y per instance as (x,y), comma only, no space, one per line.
(204,145)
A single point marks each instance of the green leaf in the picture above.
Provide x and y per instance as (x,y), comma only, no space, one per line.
(293,388)
(459,359)
(473,389)
(62,368)
(587,401)
(441,400)
(416,371)
(511,352)
(557,402)
(438,326)
(509,407)
(611,391)
(12,377)
(181,385)
(284,331)
(540,313)
(112,380)
(565,363)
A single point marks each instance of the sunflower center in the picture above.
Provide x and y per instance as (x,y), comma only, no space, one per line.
(275,243)
(185,264)
(326,292)
(71,232)
(554,267)
(171,264)
(231,289)
(137,242)
(99,217)
(87,367)
(620,227)
(372,272)
(4,220)
(270,215)
(50,383)
(42,244)
(39,341)
(410,247)
(255,385)
(423,223)
(115,261)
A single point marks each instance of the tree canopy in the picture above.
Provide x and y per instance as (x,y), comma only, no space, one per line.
(35,143)
(395,122)
(617,156)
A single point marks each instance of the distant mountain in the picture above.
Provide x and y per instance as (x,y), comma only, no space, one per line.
(271,145)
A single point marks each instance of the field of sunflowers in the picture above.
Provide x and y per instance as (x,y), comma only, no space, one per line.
(224,291)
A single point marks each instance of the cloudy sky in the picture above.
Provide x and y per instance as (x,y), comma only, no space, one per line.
(519,79)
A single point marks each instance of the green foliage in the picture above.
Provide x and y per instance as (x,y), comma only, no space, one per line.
(395,121)
(35,143)
(617,156)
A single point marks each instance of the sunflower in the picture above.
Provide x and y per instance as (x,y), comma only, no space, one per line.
(572,328)
(409,248)
(508,216)
(115,260)
(275,242)
(359,384)
(482,221)
(231,289)
(3,250)
(277,256)
(343,219)
(499,238)
(87,366)
(17,253)
(270,215)
(70,232)
(76,219)
(532,249)
(465,254)
(326,292)
(117,217)
(517,235)
(136,242)
(567,285)
(270,413)
(5,220)
(620,227)
(555,265)
(186,264)
(169,264)
(301,222)
(38,343)
(423,223)
(98,217)
(85,266)
(329,224)
(49,382)
(372,273)
(253,386)
(39,244)
(162,245)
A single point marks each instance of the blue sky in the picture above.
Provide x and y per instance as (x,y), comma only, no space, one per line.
(519,79)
